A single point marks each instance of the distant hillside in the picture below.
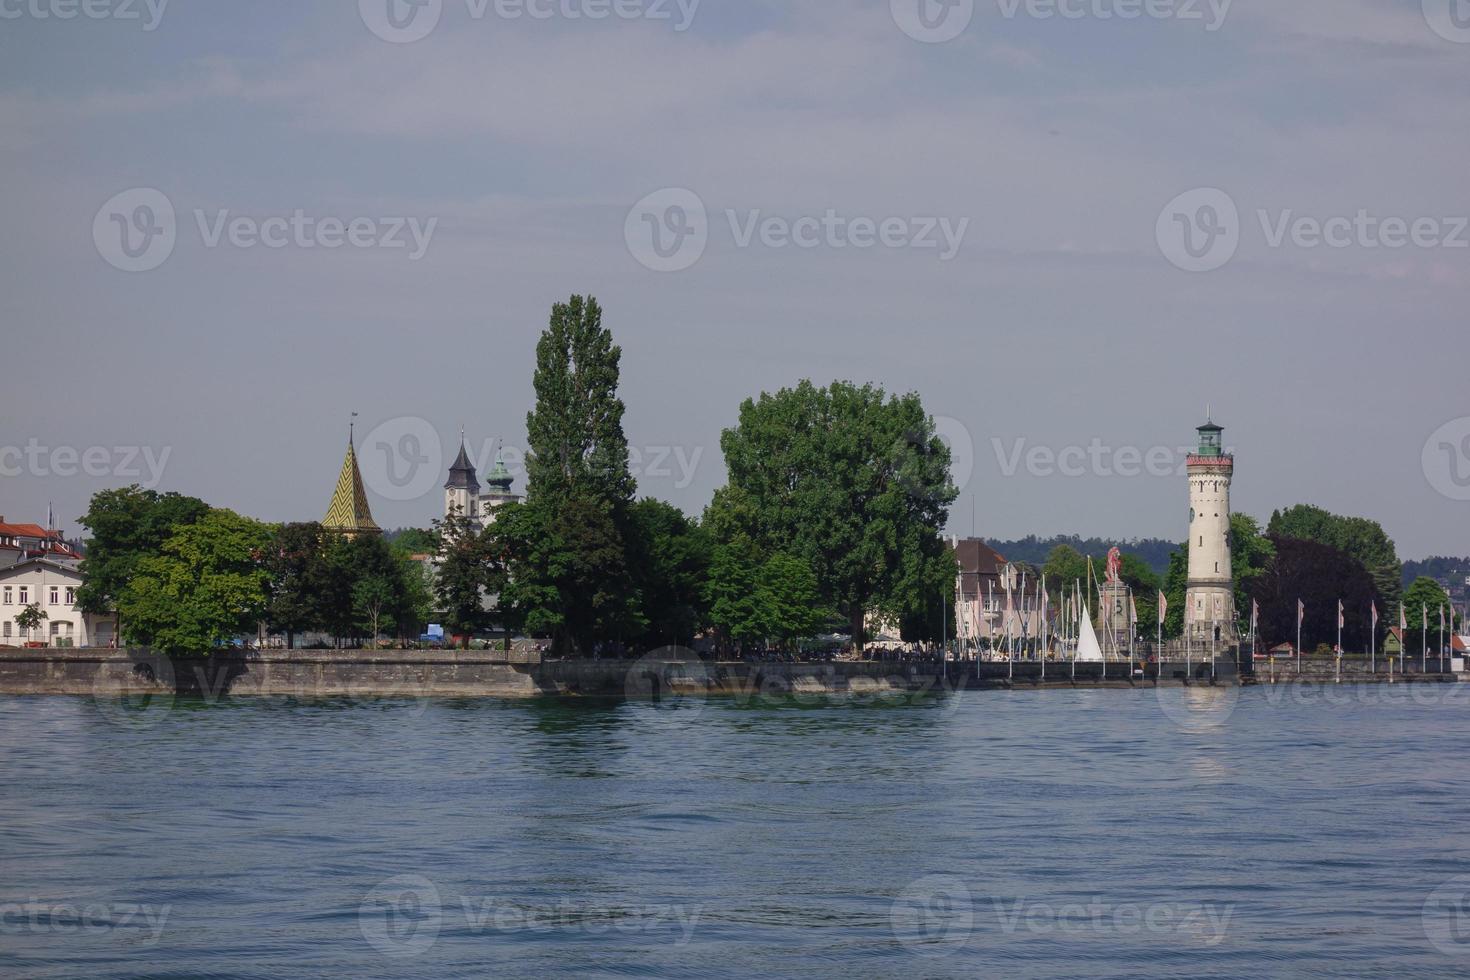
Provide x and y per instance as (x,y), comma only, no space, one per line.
(1451,570)
(1033,550)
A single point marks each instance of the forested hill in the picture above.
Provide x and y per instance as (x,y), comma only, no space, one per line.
(1033,550)
(1438,568)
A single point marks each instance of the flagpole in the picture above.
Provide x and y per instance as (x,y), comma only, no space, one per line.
(1300,612)
(1076,626)
(1133,633)
(1044,604)
(1159,650)
(1424,646)
(1373,642)
(1339,641)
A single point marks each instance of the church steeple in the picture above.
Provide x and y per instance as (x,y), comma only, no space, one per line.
(462,473)
(349,512)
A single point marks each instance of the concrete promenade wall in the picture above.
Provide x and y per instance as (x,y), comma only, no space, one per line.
(439,673)
(490,673)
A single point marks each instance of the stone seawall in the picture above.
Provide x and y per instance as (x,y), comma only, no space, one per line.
(490,673)
(439,673)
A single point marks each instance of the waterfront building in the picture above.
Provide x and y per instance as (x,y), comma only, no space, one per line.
(49,581)
(1209,605)
(464,496)
(981,611)
(349,512)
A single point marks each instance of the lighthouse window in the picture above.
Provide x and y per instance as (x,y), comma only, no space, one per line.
(1201,540)
(1217,566)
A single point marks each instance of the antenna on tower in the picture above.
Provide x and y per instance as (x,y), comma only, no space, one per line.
(351,426)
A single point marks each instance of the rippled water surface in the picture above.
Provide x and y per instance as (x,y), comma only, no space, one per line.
(1075,833)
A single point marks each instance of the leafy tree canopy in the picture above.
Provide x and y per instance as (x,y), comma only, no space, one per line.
(1359,537)
(206,586)
(854,483)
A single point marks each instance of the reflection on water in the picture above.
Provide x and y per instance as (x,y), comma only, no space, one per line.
(1037,833)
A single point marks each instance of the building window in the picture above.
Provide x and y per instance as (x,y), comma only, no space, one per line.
(71,597)
(5,631)
(25,596)
(9,596)
(55,595)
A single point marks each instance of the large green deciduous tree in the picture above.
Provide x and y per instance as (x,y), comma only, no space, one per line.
(467,574)
(207,585)
(854,483)
(1425,597)
(127,525)
(1359,537)
(296,565)
(669,555)
(1319,576)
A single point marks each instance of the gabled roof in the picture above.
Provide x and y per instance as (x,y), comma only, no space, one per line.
(349,511)
(69,566)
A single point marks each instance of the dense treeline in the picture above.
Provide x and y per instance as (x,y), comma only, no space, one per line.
(831,521)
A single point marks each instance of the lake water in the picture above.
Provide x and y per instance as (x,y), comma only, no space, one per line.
(1076,833)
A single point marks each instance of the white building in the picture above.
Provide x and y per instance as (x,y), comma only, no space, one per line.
(463,495)
(51,585)
(1209,605)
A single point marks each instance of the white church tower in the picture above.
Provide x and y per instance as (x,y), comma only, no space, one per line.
(462,492)
(1209,607)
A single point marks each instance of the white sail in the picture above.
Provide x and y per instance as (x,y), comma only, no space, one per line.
(1088,649)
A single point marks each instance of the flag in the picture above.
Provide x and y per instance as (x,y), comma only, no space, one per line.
(1255,614)
(1163,606)
(1403,619)
(1133,609)
(1375,615)
(1341,615)
(1301,612)
(1426,617)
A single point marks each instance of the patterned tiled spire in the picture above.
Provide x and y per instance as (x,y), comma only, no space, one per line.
(349,512)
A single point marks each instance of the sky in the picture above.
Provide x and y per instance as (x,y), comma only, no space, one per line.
(1073,226)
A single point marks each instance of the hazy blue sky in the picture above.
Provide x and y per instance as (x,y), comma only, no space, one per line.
(520,146)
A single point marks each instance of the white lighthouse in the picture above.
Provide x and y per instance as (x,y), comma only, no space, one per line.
(1209,606)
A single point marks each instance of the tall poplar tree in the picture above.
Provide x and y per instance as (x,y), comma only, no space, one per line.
(567,544)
